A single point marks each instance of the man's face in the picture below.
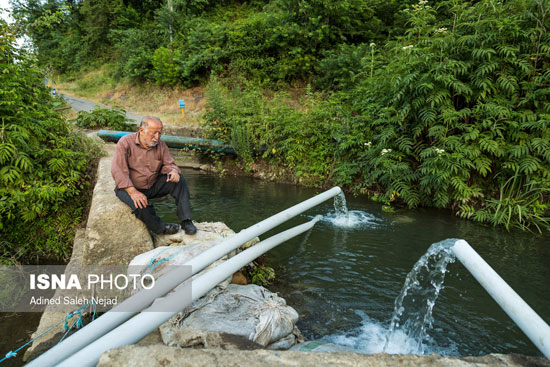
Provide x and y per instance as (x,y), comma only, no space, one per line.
(151,134)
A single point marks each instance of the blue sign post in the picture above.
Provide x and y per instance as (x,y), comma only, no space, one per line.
(182,107)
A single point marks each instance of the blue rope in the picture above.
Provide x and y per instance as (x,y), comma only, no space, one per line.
(78,322)
(153,264)
(93,309)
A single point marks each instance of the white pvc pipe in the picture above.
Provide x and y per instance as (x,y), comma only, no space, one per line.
(519,311)
(165,284)
(143,324)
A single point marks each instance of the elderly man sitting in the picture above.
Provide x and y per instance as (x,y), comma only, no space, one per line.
(143,169)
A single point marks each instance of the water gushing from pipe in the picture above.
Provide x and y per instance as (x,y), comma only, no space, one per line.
(340,205)
(412,315)
(349,219)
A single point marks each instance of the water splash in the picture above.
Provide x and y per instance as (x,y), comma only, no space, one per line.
(349,219)
(355,219)
(372,337)
(412,315)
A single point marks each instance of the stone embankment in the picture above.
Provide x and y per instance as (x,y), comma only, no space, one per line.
(114,236)
(149,356)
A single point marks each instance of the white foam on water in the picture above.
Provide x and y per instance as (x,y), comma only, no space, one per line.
(353,219)
(374,337)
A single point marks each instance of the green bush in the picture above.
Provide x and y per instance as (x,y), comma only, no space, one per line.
(166,70)
(135,51)
(112,118)
(460,109)
(42,164)
(342,67)
(203,51)
(298,139)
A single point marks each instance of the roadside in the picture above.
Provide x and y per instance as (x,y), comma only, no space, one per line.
(79,104)
(141,99)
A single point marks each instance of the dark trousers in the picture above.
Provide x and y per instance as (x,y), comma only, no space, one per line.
(147,215)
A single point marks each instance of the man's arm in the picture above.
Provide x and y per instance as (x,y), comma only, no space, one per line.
(169,166)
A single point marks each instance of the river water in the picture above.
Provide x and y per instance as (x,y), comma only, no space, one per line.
(344,276)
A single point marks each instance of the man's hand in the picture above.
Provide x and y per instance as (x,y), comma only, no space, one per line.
(139,199)
(173,176)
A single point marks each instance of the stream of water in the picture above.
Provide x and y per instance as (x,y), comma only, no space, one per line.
(372,281)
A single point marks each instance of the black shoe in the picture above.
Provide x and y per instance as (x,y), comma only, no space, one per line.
(189,227)
(171,228)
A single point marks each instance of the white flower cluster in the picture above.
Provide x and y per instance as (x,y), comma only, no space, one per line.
(384,151)
(372,44)
(441,30)
(439,151)
(368,144)
(407,47)
(422,4)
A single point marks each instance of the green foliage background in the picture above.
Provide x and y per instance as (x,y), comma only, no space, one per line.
(431,103)
(44,167)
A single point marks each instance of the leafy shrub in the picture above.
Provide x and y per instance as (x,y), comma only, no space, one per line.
(459,109)
(453,114)
(258,273)
(113,118)
(42,164)
(135,51)
(299,139)
(165,69)
(342,67)
(203,51)
(241,141)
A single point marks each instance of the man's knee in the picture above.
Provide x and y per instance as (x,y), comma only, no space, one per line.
(123,196)
(181,185)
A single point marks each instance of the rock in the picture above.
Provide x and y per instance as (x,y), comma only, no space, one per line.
(239,278)
(179,248)
(320,347)
(250,311)
(206,232)
(160,355)
(114,235)
(284,343)
(208,168)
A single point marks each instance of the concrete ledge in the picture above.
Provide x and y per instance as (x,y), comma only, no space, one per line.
(156,356)
(114,235)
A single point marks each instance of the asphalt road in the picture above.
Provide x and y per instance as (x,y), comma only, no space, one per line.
(82,105)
